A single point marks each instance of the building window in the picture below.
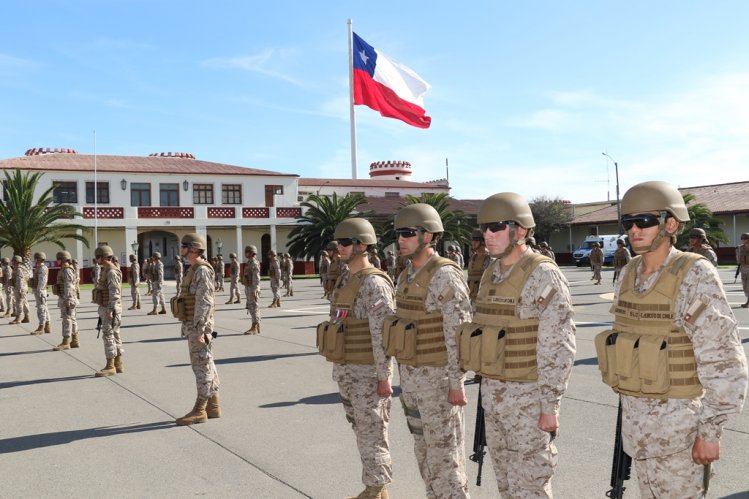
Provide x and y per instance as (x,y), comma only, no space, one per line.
(102,193)
(169,194)
(202,193)
(231,194)
(65,192)
(140,194)
(392,194)
(354,193)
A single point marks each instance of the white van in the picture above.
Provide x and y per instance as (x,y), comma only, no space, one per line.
(607,242)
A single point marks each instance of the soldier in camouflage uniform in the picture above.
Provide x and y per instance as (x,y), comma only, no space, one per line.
(146,275)
(10,302)
(692,373)
(622,257)
(66,289)
(220,272)
(324,265)
(95,272)
(742,256)
(352,340)
(251,282)
(546,250)
(392,263)
(108,295)
(274,272)
(20,288)
(287,274)
(156,270)
(698,244)
(198,296)
(134,282)
(334,269)
(39,286)
(523,311)
(432,299)
(179,270)
(596,261)
(234,276)
(478,262)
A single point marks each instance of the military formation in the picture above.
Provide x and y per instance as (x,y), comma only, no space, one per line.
(673,354)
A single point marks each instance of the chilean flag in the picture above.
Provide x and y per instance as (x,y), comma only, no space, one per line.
(388,86)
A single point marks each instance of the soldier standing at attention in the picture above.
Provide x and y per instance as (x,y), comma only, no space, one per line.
(690,372)
(743,261)
(546,250)
(374,258)
(334,269)
(197,316)
(179,270)
(251,282)
(108,295)
(698,244)
(156,270)
(95,272)
(360,303)
(432,298)
(20,288)
(478,262)
(324,265)
(10,302)
(220,272)
(146,276)
(596,261)
(234,276)
(522,315)
(392,263)
(66,289)
(621,258)
(287,273)
(134,282)
(274,272)
(39,286)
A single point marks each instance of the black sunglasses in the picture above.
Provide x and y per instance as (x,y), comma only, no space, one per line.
(495,226)
(406,232)
(185,245)
(643,221)
(345,242)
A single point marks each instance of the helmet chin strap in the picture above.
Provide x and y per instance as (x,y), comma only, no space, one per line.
(513,242)
(662,233)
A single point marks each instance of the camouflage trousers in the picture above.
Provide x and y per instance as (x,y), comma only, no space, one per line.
(274,286)
(110,333)
(68,320)
(22,303)
(201,360)
(42,312)
(10,301)
(670,476)
(178,284)
(745,279)
(158,295)
(438,429)
(135,294)
(596,271)
(369,415)
(234,289)
(2,298)
(252,294)
(523,456)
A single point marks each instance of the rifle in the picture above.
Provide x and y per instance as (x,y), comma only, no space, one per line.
(98,328)
(479,438)
(621,464)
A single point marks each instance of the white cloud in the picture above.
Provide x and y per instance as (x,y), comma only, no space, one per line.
(268,63)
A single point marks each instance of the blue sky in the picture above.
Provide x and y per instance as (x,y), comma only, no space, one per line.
(525,95)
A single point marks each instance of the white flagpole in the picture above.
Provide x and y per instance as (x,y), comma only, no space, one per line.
(96,205)
(352,114)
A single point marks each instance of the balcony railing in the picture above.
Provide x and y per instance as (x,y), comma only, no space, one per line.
(215,212)
(221,212)
(166,212)
(103,212)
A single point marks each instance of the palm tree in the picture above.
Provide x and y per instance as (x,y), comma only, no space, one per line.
(455,222)
(317,225)
(26,223)
(701,217)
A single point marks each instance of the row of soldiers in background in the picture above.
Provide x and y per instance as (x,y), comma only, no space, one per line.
(519,335)
(16,277)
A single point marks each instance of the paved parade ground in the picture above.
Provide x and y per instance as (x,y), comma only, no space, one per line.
(283,432)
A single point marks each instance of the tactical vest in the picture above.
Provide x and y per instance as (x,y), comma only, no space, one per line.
(183,305)
(475,271)
(59,285)
(414,336)
(743,255)
(248,272)
(497,343)
(101,291)
(345,339)
(646,355)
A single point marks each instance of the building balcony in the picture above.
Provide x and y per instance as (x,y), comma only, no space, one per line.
(201,212)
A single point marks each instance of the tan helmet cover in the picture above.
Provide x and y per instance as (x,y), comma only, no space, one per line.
(356,228)
(103,251)
(251,248)
(654,195)
(63,255)
(697,232)
(40,255)
(419,215)
(506,206)
(194,241)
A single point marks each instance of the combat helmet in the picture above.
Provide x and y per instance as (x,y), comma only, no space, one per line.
(698,233)
(251,248)
(17,258)
(655,195)
(40,255)
(103,251)
(156,255)
(232,255)
(63,255)
(5,260)
(477,235)
(193,240)
(419,215)
(506,206)
(358,229)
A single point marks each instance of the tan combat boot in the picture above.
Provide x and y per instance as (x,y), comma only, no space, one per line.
(255,329)
(65,345)
(212,408)
(162,311)
(107,370)
(152,312)
(131,307)
(74,342)
(47,329)
(197,415)
(17,320)
(138,303)
(39,330)
(237,301)
(26,319)
(229,302)
(371,492)
(118,364)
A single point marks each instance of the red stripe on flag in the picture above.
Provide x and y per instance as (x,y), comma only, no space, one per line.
(381,98)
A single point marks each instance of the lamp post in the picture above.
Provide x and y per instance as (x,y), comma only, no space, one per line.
(135,247)
(618,206)
(219,245)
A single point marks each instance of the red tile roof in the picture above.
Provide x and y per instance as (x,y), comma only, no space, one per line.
(129,164)
(366,182)
(382,206)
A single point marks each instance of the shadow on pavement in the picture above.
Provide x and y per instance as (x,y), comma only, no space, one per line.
(590,361)
(28,442)
(13,384)
(25,353)
(326,398)
(251,358)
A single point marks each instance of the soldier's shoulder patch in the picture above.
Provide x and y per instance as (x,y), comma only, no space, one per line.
(445,296)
